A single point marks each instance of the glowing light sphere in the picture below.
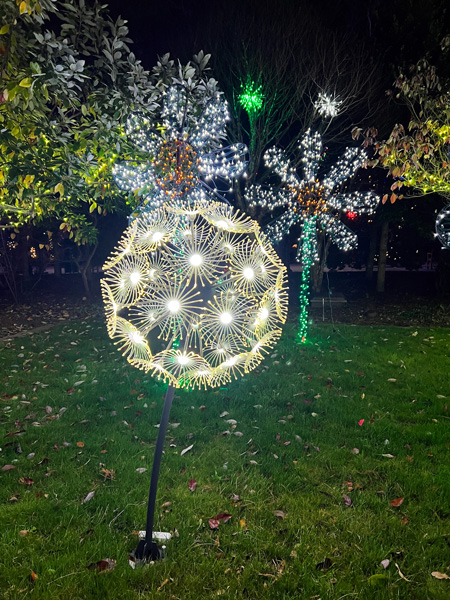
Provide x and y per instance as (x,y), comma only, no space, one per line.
(443,226)
(201,303)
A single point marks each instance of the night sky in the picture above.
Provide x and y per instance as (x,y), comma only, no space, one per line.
(400,30)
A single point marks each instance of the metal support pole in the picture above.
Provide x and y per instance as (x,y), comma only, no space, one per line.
(148,549)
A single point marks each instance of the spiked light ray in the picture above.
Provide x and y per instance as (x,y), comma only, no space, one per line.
(189,312)
(198,256)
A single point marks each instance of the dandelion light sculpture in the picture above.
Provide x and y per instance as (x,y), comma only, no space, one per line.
(194,293)
(315,204)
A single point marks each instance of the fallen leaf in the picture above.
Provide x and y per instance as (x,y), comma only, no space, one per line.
(361,422)
(141,470)
(438,575)
(33,576)
(280,514)
(192,485)
(88,497)
(108,473)
(213,524)
(385,563)
(222,517)
(392,380)
(80,444)
(162,585)
(401,574)
(107,564)
(388,455)
(26,481)
(183,452)
(223,414)
(243,524)
(23,532)
(396,502)
(347,500)
(355,451)
(326,564)
(8,467)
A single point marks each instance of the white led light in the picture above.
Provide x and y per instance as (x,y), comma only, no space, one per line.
(135,277)
(248,273)
(136,337)
(226,318)
(264,313)
(222,224)
(183,359)
(196,260)
(157,236)
(173,306)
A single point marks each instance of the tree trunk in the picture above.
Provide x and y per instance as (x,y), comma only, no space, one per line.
(381,277)
(57,252)
(372,252)
(85,270)
(318,268)
(25,258)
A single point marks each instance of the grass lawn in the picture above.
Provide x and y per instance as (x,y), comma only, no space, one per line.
(324,438)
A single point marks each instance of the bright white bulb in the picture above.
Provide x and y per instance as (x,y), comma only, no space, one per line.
(226,318)
(222,224)
(135,277)
(248,273)
(157,236)
(196,260)
(136,337)
(264,313)
(173,306)
(183,359)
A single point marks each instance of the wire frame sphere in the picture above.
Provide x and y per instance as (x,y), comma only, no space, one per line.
(194,294)
(443,226)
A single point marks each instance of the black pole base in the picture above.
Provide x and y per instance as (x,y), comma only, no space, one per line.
(146,553)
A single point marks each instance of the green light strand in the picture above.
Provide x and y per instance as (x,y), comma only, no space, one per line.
(307,258)
(251,98)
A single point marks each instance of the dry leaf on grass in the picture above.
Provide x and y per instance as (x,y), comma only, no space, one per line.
(183,452)
(396,502)
(438,575)
(107,564)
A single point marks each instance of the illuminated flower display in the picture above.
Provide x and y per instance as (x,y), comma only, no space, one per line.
(185,152)
(194,294)
(443,226)
(315,204)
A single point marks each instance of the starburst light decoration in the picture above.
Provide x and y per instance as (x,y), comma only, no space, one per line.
(316,204)
(443,226)
(194,293)
(251,97)
(186,153)
(327,106)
